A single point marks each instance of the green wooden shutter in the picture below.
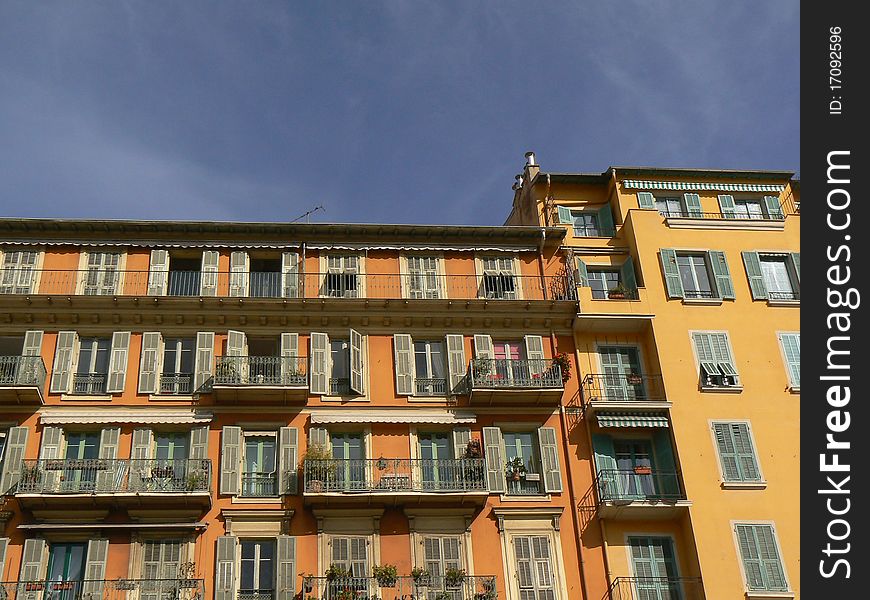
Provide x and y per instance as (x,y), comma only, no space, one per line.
(461,437)
(727,207)
(61,371)
(761,562)
(13,455)
(33,562)
(629,281)
(796,264)
(744,452)
(565,215)
(208,277)
(118,362)
(667,479)
(158,273)
(286,572)
(605,221)
(495,462)
(288,459)
(320,359)
(605,466)
(357,363)
(149,362)
(791,348)
(231,452)
(225,568)
(204,361)
(95,568)
(756,278)
(693,205)
(774,210)
(239,273)
(582,274)
(107,478)
(550,459)
(770,561)
(403,348)
(673,281)
(646,200)
(722,274)
(727,453)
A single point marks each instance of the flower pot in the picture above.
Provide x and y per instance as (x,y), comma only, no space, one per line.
(515,477)
(315,486)
(643,470)
(635,379)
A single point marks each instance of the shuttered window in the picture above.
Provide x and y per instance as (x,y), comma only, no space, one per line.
(351,553)
(715,359)
(791,350)
(759,552)
(18,275)
(441,553)
(161,560)
(736,452)
(534,567)
(102,274)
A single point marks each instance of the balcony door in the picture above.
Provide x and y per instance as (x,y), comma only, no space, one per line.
(160,570)
(437,467)
(66,569)
(441,553)
(93,365)
(634,462)
(80,468)
(523,446)
(352,555)
(257,570)
(508,356)
(655,569)
(350,467)
(259,479)
(171,453)
(619,363)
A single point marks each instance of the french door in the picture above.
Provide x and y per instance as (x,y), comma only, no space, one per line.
(620,365)
(655,569)
(350,466)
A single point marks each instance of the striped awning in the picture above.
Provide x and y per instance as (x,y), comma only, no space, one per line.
(622,419)
(717,187)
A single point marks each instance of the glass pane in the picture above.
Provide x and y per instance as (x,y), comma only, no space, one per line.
(340,359)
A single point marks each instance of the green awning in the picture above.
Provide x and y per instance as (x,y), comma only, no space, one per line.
(622,419)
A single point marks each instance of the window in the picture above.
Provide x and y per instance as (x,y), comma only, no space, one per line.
(93,366)
(351,468)
(748,209)
(430,378)
(184,276)
(736,452)
(79,475)
(602,281)
(161,560)
(524,472)
(342,277)
(423,279)
(778,278)
(791,350)
(759,552)
(66,563)
(338,366)
(102,274)
(257,569)
(621,373)
(178,359)
(19,272)
(265,277)
(589,222)
(351,554)
(655,568)
(695,276)
(767,207)
(259,475)
(534,567)
(585,224)
(670,206)
(339,380)
(441,553)
(715,360)
(499,280)
(437,467)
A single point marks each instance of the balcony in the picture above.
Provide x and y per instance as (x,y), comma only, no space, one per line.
(639,493)
(22,380)
(259,485)
(431,386)
(261,378)
(480,587)
(509,380)
(109,481)
(395,477)
(658,588)
(176,383)
(90,384)
(104,589)
(344,286)
(620,391)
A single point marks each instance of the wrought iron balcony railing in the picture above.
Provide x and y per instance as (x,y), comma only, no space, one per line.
(22,371)
(427,586)
(783,295)
(640,484)
(622,387)
(656,588)
(91,383)
(261,594)
(112,282)
(737,215)
(261,370)
(430,386)
(259,484)
(101,476)
(176,383)
(514,374)
(530,483)
(105,589)
(394,475)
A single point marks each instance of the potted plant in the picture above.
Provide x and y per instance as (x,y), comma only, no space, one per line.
(336,572)
(420,576)
(473,450)
(642,470)
(617,292)
(634,378)
(564,364)
(515,469)
(319,467)
(386,575)
(454,577)
(197,481)
(226,372)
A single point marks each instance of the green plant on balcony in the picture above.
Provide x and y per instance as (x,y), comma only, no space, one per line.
(473,450)
(454,577)
(187,575)
(227,372)
(564,363)
(321,467)
(336,572)
(482,368)
(421,576)
(308,583)
(386,575)
(197,481)
(125,584)
(617,292)
(515,468)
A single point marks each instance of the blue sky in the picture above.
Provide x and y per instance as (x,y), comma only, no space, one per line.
(403,112)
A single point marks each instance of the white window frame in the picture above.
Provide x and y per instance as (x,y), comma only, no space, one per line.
(242,462)
(684,211)
(238,580)
(785,362)
(711,277)
(36,274)
(760,593)
(794,281)
(761,483)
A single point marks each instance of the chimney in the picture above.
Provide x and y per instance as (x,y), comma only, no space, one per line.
(531,168)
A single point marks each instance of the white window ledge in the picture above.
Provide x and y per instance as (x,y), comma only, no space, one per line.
(703,301)
(170,398)
(744,485)
(756,595)
(744,224)
(517,498)
(724,389)
(249,500)
(783,302)
(86,397)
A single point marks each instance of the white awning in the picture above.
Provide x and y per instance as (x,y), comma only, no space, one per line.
(718,187)
(422,247)
(348,415)
(153,243)
(62,415)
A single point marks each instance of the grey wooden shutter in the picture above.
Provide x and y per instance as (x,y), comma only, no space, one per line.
(456,365)
(13,455)
(722,274)
(149,362)
(535,354)
(357,363)
(33,561)
(140,455)
(291,362)
(95,568)
(744,452)
(26,373)
(286,563)
(32,343)
(565,215)
(403,348)
(50,448)
(4,545)
(320,359)
(204,362)
(237,341)
(693,205)
(288,459)
(318,436)
(646,200)
(796,264)
(483,347)
(582,274)
(673,282)
(605,221)
(756,278)
(239,273)
(461,437)
(231,452)
(629,281)
(290,274)
(727,453)
(199,442)
(158,273)
(727,207)
(106,478)
(209,274)
(118,362)
(774,210)
(550,459)
(225,568)
(495,463)
(61,370)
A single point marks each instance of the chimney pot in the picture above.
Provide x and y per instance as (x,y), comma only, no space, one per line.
(530,159)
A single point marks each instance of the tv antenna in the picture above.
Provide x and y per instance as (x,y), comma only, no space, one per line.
(307,215)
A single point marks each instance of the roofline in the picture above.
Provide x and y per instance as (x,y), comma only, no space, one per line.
(605,177)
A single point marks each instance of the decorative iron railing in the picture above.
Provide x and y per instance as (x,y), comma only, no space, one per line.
(105,589)
(22,371)
(640,484)
(261,370)
(425,587)
(530,483)
(176,383)
(99,475)
(91,383)
(622,387)
(656,588)
(394,475)
(511,374)
(731,216)
(259,485)
(430,386)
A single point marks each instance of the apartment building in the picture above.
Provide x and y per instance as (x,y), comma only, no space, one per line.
(261,411)
(688,346)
